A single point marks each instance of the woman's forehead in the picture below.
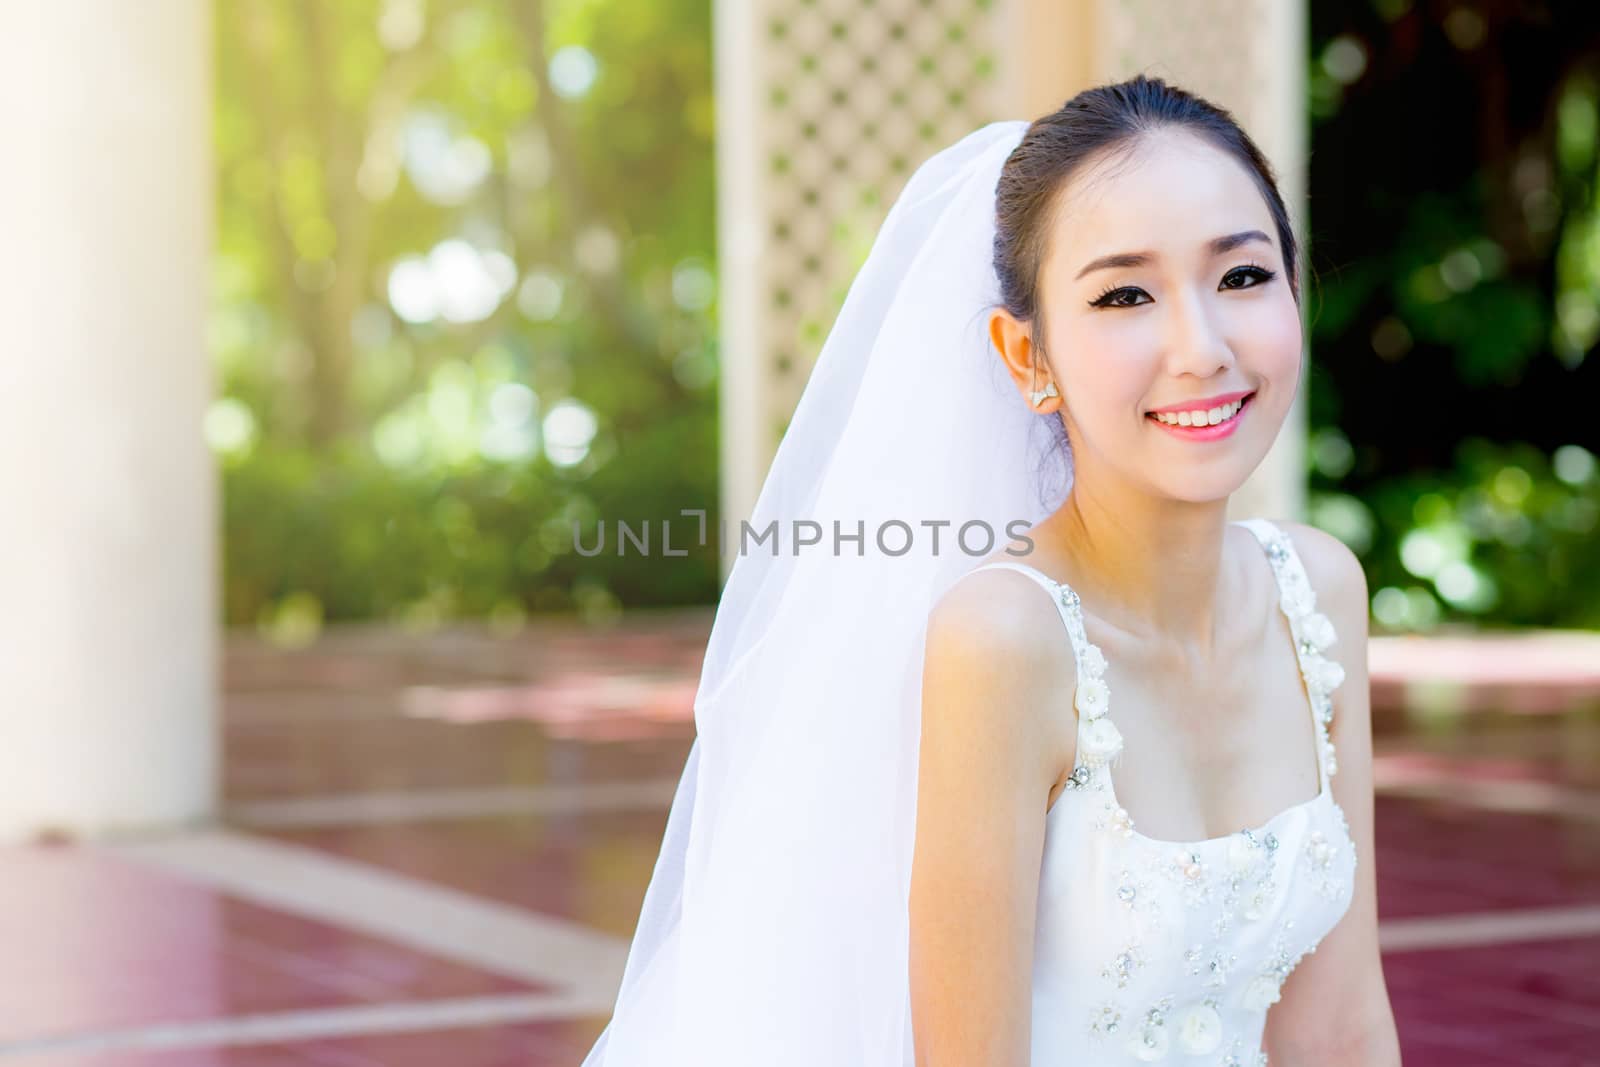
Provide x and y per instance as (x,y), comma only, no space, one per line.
(1170,193)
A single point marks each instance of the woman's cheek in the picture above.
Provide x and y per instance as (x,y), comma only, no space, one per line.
(1112,372)
(1275,343)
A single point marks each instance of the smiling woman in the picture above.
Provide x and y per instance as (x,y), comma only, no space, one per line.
(896,841)
(1088,940)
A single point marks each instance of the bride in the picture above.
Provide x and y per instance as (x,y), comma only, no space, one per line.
(1011,748)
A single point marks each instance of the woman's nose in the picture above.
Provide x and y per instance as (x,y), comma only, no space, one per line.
(1196,343)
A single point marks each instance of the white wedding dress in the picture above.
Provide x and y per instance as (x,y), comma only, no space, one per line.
(1148,950)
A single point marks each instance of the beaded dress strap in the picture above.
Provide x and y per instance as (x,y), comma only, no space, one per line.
(1313,633)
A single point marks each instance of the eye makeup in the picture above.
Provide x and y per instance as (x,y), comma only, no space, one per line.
(1111,296)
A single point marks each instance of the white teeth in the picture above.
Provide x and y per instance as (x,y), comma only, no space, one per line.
(1202,418)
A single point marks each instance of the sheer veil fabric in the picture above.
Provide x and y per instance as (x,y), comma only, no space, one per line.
(774,930)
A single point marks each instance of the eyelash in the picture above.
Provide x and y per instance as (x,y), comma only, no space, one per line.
(1255,270)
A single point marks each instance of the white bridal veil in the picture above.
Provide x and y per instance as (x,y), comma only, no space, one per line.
(774,930)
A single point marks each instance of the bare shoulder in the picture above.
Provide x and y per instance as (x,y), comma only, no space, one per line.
(998,654)
(1004,610)
(1002,625)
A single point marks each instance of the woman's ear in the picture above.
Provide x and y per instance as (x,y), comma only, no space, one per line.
(1013,339)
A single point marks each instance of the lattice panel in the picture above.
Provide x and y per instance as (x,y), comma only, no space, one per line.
(857,93)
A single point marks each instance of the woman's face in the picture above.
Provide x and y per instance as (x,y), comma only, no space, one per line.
(1164,288)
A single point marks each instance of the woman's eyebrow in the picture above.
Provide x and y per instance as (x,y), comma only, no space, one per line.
(1216,247)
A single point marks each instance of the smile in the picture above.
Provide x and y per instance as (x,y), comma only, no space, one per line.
(1203,424)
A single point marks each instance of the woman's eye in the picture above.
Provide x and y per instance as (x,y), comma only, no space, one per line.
(1125,297)
(1246,278)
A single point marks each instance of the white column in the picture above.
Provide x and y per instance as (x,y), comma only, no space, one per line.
(108,560)
(743,393)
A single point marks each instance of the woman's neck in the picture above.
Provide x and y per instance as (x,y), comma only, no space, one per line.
(1149,566)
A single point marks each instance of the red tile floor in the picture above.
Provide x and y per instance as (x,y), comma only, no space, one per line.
(435,848)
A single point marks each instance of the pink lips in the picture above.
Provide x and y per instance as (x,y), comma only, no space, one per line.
(1207,433)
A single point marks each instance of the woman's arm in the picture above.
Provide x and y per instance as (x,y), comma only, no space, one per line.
(991,677)
(1335,1009)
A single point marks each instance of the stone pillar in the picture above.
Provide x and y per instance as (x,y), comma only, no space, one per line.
(108,559)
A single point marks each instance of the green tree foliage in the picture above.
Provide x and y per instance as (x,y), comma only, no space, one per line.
(1455,248)
(465,295)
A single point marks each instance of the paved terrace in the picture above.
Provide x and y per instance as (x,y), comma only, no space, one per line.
(435,849)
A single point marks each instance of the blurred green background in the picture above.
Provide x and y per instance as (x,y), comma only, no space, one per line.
(466,297)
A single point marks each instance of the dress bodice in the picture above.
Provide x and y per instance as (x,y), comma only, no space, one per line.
(1148,950)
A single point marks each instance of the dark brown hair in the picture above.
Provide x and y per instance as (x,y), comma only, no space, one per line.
(1094,123)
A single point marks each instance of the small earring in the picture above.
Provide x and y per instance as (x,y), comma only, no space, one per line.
(1049,390)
